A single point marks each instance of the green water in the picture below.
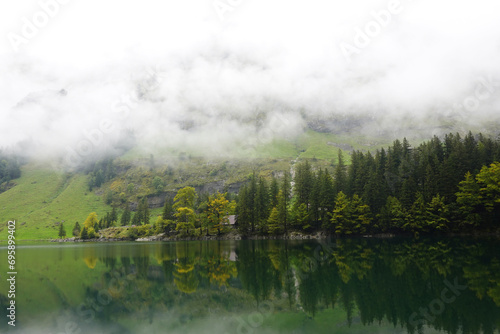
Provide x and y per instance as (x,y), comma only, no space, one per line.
(338,286)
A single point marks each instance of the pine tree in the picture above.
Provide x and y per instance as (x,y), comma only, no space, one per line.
(84,234)
(273,192)
(243,215)
(283,201)
(262,201)
(273,222)
(417,219)
(62,231)
(136,219)
(303,183)
(341,217)
(125,219)
(436,215)
(145,211)
(340,175)
(114,216)
(361,215)
(76,229)
(469,201)
(168,212)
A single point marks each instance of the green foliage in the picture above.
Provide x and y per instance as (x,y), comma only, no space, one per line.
(91,220)
(168,211)
(164,226)
(479,198)
(84,234)
(218,208)
(91,233)
(341,217)
(184,228)
(185,198)
(300,216)
(9,168)
(273,223)
(437,215)
(76,230)
(132,233)
(101,172)
(108,198)
(488,180)
(126,215)
(349,216)
(158,183)
(62,231)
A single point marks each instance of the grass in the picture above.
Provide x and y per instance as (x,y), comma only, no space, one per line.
(43,198)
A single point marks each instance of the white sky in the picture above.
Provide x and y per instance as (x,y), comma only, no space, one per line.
(274,55)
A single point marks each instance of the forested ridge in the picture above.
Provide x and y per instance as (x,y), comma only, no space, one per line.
(441,186)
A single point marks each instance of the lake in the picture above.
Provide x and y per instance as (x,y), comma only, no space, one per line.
(358,285)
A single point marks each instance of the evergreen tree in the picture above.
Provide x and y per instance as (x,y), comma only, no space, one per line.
(339,175)
(145,211)
(283,201)
(341,217)
(84,234)
(76,229)
(417,219)
(125,219)
(273,223)
(136,219)
(437,215)
(243,211)
(113,216)
(469,201)
(62,231)
(327,197)
(273,192)
(262,202)
(303,183)
(168,212)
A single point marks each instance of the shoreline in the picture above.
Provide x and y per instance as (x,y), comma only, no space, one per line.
(236,236)
(291,236)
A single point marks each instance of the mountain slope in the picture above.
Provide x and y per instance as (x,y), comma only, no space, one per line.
(42,198)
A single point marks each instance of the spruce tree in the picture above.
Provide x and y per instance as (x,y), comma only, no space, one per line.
(125,219)
(168,211)
(339,174)
(62,231)
(145,211)
(84,234)
(76,229)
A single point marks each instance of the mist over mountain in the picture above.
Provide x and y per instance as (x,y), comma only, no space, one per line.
(216,78)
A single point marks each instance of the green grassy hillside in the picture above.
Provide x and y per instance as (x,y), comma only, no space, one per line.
(42,198)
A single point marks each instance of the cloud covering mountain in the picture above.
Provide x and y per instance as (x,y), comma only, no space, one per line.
(213,77)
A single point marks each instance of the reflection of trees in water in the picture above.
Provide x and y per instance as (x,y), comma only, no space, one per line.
(377,279)
(89,257)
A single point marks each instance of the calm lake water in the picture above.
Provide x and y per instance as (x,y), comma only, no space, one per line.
(338,286)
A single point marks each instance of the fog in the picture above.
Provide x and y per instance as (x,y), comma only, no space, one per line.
(214,78)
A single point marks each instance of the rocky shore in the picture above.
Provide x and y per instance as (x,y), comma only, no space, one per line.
(228,236)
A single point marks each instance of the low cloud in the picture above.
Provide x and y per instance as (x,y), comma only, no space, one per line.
(102,78)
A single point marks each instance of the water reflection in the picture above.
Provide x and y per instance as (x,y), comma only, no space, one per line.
(403,285)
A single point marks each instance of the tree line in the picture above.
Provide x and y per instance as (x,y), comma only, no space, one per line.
(187,214)
(442,185)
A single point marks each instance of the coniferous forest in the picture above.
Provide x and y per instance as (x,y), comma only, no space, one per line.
(448,185)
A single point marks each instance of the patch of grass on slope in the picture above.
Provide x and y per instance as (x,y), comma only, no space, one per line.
(42,198)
